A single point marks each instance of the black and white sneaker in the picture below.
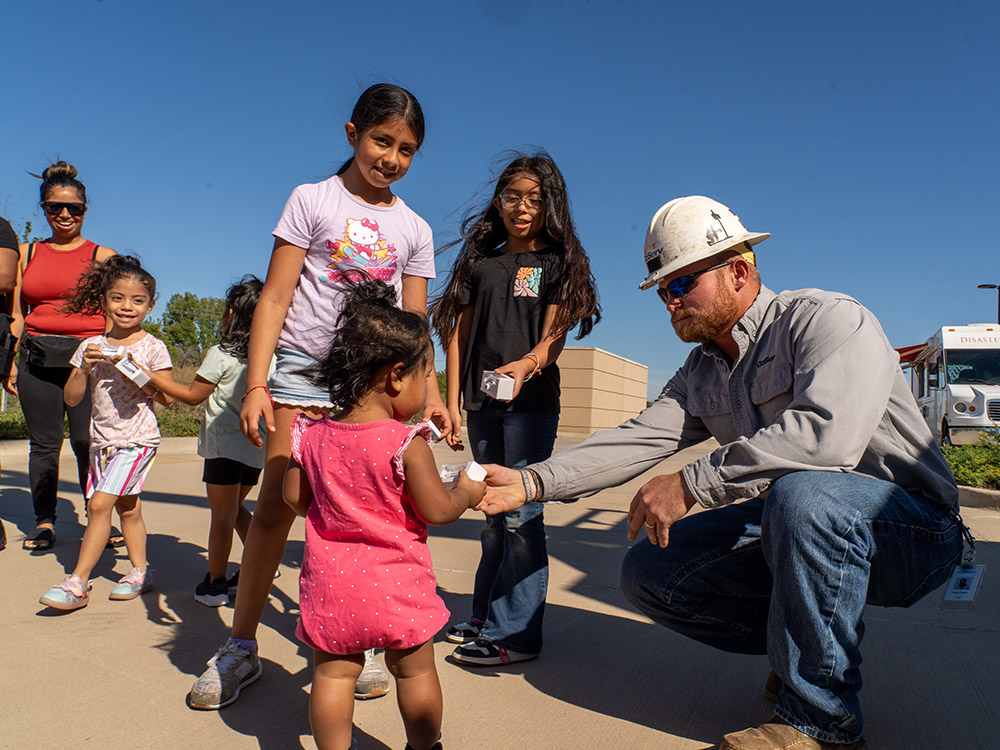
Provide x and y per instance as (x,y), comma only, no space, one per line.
(212,593)
(234,582)
(483,653)
(464,632)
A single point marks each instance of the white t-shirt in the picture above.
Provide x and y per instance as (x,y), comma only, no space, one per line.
(220,435)
(341,232)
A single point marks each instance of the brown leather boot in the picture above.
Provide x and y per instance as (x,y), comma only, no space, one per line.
(777,735)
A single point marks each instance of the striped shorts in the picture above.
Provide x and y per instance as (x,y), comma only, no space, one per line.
(119,471)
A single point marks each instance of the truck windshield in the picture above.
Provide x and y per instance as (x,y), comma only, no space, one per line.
(973,366)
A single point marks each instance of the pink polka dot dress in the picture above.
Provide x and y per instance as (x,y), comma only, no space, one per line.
(367,579)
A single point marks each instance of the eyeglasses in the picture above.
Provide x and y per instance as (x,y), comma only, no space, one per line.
(682,285)
(54,208)
(511,201)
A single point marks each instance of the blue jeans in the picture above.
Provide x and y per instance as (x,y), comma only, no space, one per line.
(790,575)
(513,573)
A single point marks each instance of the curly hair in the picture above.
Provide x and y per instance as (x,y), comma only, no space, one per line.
(94,283)
(372,334)
(483,230)
(241,301)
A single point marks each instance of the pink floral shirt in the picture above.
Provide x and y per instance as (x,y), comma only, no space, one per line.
(122,415)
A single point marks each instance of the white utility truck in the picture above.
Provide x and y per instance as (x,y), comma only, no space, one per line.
(955,378)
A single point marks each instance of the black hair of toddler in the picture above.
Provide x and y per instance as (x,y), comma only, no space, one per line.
(372,335)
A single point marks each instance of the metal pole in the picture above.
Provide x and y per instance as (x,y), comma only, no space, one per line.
(993,286)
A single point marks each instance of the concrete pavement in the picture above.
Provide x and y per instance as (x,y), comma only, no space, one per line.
(115,674)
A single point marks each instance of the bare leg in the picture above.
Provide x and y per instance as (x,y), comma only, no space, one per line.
(418,693)
(133,529)
(243,516)
(331,700)
(225,502)
(272,519)
(95,536)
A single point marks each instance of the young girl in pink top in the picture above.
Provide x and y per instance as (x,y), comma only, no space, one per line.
(124,433)
(367,489)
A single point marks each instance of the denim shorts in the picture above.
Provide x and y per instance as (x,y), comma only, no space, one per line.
(289,387)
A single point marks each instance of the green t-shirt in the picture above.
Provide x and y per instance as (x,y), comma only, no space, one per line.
(220,435)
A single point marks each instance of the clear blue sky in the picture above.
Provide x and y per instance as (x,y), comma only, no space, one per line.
(861,135)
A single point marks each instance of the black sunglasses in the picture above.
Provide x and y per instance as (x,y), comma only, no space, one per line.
(54,208)
(682,285)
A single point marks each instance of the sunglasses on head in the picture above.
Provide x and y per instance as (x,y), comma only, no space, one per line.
(682,285)
(54,208)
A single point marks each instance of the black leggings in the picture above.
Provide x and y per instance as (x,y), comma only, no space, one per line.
(40,390)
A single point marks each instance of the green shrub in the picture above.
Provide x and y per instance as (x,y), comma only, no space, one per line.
(12,425)
(176,424)
(977,465)
(176,420)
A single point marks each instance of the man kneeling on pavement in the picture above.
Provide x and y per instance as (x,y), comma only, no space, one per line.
(828,491)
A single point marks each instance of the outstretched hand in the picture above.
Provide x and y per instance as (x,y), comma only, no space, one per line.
(504,490)
(658,504)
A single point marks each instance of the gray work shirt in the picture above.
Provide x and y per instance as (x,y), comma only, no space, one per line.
(816,387)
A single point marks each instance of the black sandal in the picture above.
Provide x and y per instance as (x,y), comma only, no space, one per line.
(115,540)
(39,540)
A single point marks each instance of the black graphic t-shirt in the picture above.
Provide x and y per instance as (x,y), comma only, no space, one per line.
(509,293)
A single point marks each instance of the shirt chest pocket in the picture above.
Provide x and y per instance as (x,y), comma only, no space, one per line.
(771,392)
(708,402)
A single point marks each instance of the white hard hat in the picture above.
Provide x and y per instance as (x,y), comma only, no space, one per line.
(690,229)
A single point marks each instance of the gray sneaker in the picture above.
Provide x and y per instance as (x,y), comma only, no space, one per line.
(373,682)
(229,671)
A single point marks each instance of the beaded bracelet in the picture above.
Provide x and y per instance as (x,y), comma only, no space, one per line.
(251,390)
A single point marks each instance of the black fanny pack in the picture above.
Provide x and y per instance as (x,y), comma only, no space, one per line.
(8,346)
(50,351)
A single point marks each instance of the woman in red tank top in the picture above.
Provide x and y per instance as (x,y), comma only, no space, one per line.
(47,272)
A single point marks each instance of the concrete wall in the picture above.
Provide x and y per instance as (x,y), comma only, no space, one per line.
(599,389)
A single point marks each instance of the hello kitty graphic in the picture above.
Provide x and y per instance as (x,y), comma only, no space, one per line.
(363,247)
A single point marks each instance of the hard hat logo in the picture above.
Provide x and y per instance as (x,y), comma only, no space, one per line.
(687,230)
(653,260)
(716,230)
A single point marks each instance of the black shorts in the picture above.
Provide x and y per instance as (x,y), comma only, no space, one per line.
(228,471)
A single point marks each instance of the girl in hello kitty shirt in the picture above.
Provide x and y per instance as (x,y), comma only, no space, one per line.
(295,321)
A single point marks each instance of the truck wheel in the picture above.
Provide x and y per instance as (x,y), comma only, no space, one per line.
(945,435)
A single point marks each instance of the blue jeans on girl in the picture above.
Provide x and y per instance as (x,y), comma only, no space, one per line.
(513,574)
(790,575)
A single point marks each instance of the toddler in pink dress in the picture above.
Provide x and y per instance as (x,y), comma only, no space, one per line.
(368,489)
(367,580)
